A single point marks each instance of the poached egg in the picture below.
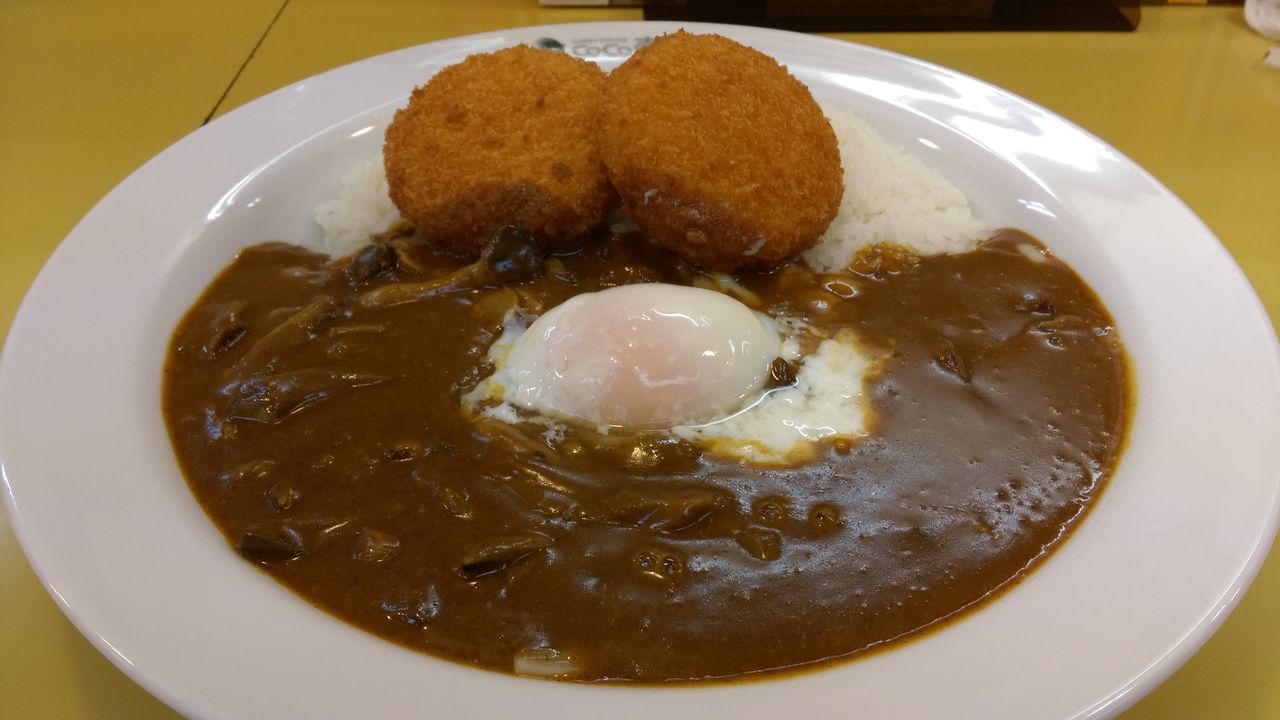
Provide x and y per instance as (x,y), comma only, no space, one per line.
(690,361)
(642,357)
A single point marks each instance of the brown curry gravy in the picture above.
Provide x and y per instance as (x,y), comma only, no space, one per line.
(334,454)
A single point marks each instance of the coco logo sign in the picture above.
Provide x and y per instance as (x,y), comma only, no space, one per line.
(596,47)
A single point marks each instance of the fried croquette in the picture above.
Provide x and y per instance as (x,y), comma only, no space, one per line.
(718,153)
(504,138)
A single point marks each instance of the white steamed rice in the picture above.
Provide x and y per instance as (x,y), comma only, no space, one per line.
(889,196)
(362,208)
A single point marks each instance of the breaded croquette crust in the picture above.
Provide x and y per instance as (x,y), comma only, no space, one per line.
(504,138)
(718,153)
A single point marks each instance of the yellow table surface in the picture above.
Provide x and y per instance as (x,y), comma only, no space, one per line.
(91,90)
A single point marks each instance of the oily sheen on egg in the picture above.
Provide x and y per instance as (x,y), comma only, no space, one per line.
(646,356)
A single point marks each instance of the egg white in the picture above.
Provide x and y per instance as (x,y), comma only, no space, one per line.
(784,426)
(778,427)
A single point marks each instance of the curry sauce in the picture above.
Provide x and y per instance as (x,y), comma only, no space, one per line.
(324,436)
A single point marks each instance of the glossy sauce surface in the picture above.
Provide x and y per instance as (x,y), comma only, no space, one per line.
(324,437)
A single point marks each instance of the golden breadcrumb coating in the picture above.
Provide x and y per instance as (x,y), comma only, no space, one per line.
(504,138)
(718,153)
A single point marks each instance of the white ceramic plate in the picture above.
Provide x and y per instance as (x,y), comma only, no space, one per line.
(107,521)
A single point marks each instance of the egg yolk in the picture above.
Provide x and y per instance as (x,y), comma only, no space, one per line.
(647,356)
